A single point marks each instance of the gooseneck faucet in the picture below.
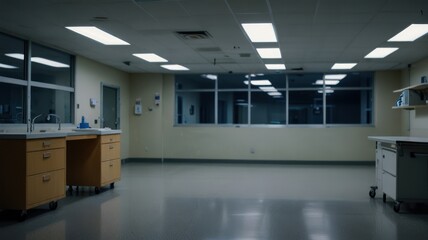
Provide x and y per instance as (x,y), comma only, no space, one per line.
(32,122)
(56,118)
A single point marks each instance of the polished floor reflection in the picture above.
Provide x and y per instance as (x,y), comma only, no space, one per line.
(226,202)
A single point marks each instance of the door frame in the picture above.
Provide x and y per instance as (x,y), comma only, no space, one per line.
(102,103)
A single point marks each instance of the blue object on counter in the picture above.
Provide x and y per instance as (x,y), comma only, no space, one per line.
(83,124)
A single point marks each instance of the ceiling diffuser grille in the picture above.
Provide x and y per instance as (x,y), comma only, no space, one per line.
(194,35)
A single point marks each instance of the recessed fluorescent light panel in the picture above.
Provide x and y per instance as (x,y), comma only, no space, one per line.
(338,66)
(269,53)
(150,57)
(48,62)
(268,89)
(174,67)
(259,82)
(411,33)
(253,75)
(275,66)
(260,32)
(327,90)
(327,82)
(98,35)
(210,76)
(334,76)
(19,56)
(7,66)
(380,52)
(40,60)
(274,93)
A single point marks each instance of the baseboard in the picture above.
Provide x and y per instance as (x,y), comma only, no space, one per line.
(243,161)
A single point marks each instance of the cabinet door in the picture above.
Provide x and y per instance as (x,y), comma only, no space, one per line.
(110,151)
(44,161)
(389,161)
(43,144)
(110,171)
(389,185)
(110,138)
(45,187)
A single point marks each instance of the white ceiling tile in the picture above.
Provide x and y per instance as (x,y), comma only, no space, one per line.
(206,7)
(248,6)
(311,33)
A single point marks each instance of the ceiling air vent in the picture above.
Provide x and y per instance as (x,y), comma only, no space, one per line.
(245,55)
(208,49)
(194,35)
(297,69)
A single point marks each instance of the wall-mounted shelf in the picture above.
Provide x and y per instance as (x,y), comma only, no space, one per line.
(417,87)
(414,97)
(410,107)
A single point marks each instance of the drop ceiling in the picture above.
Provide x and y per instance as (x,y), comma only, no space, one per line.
(312,34)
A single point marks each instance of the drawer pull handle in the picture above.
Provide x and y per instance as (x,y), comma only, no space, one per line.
(111,164)
(46,155)
(111,139)
(111,147)
(46,178)
(46,144)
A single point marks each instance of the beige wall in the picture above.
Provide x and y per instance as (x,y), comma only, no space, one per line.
(418,119)
(89,75)
(154,136)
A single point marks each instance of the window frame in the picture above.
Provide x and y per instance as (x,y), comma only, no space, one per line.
(287,91)
(28,83)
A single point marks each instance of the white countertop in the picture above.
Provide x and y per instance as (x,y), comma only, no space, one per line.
(56,134)
(395,139)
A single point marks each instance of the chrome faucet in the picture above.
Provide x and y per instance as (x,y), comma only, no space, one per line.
(56,118)
(32,122)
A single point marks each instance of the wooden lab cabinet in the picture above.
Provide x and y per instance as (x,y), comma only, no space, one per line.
(32,173)
(93,161)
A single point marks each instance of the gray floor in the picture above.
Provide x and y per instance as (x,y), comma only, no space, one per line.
(226,201)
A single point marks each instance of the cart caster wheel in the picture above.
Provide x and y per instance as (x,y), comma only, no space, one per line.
(112,185)
(384,197)
(372,193)
(53,205)
(397,207)
(97,190)
(23,216)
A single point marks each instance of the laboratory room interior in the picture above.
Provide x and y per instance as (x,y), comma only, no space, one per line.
(214,119)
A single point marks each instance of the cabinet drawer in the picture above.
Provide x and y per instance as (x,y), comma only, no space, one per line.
(44,161)
(46,143)
(45,186)
(389,161)
(110,151)
(110,171)
(389,184)
(110,138)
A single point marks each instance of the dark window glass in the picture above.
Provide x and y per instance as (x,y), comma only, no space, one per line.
(195,81)
(12,103)
(307,80)
(268,109)
(195,107)
(12,62)
(305,107)
(357,79)
(233,81)
(275,80)
(233,107)
(45,101)
(349,107)
(51,66)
